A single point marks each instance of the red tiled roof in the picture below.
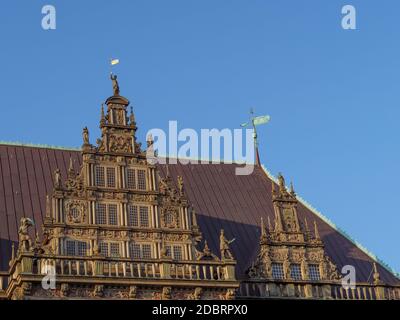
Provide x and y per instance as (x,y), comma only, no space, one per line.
(222,200)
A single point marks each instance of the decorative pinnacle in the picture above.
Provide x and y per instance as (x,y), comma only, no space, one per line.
(316,232)
(292,192)
(263,233)
(12,252)
(194,218)
(102,116)
(269,224)
(47,205)
(132,117)
(206,249)
(306,225)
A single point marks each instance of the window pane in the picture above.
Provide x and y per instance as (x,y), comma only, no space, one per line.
(135,251)
(141,179)
(277,271)
(169,219)
(132,216)
(81,248)
(112,214)
(295,272)
(146,251)
(168,251)
(313,270)
(70,248)
(101,217)
(177,252)
(114,250)
(131,180)
(104,249)
(100,176)
(144,217)
(111,177)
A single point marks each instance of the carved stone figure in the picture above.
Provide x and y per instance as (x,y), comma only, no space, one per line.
(286,268)
(57,179)
(304,268)
(21,292)
(64,289)
(120,117)
(46,246)
(25,241)
(98,290)
(229,295)
(166,293)
(376,276)
(224,246)
(85,136)
(196,295)
(132,292)
(115,84)
(282,187)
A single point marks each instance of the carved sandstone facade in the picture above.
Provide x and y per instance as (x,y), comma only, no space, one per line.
(116,229)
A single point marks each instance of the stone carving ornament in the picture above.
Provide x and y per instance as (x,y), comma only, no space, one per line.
(75,211)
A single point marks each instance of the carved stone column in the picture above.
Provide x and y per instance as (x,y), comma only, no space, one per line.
(27,265)
(326,291)
(380,293)
(165,270)
(230,272)
(308,291)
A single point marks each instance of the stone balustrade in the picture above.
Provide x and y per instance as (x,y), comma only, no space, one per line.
(123,268)
(317,290)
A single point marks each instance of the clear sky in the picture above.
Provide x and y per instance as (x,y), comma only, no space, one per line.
(333,94)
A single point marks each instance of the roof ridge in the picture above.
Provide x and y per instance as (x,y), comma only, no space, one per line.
(338,229)
(34,145)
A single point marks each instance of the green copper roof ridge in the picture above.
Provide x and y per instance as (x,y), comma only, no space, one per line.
(338,229)
(34,145)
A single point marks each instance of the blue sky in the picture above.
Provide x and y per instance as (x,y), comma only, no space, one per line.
(332,94)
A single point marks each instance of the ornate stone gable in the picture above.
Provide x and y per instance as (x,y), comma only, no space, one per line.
(117,218)
(289,251)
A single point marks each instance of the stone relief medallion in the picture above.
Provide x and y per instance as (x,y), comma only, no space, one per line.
(170,217)
(75,211)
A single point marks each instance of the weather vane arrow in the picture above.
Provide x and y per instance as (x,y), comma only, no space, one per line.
(254,122)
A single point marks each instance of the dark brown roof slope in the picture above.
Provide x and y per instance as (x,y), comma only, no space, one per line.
(222,200)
